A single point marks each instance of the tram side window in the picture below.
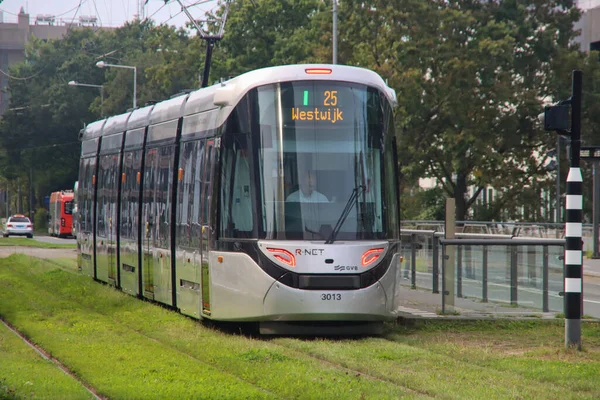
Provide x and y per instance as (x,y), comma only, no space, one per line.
(185,195)
(196,192)
(206,180)
(104,188)
(162,194)
(86,191)
(236,189)
(148,192)
(130,195)
(91,167)
(125,229)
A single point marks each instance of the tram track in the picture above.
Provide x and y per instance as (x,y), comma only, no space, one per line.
(350,372)
(167,345)
(354,372)
(46,356)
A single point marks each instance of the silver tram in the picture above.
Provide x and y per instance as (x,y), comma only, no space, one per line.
(270,197)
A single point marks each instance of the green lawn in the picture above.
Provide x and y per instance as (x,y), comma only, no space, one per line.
(25,242)
(130,349)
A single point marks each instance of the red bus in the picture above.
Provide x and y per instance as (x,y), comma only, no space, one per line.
(60,216)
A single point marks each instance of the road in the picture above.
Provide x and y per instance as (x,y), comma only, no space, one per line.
(55,240)
(529,292)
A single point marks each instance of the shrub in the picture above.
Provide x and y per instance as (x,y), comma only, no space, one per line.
(40,220)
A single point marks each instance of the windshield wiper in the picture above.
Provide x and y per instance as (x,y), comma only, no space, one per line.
(357,191)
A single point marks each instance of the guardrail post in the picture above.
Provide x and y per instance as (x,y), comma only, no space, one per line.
(413,261)
(435,242)
(514,256)
(449,233)
(531,263)
(469,269)
(459,271)
(443,279)
(545,274)
(484,278)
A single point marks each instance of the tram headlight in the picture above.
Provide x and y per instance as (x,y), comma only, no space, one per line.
(283,255)
(370,256)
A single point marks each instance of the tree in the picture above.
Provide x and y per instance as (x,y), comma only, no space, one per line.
(39,135)
(263,33)
(470,77)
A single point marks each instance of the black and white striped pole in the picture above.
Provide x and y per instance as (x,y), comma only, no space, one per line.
(556,118)
(573,243)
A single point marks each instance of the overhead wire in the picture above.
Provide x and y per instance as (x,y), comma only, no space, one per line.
(97,13)
(74,8)
(8,12)
(44,146)
(172,16)
(9,76)
(155,12)
(77,10)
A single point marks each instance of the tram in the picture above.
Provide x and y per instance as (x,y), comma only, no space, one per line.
(60,214)
(271,197)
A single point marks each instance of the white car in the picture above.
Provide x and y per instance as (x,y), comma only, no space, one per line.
(18,225)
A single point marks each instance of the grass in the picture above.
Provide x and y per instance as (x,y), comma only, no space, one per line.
(25,242)
(69,264)
(130,349)
(23,373)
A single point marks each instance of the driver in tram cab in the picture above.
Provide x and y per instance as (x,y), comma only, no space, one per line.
(308,192)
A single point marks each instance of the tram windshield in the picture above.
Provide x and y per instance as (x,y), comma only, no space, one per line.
(323,164)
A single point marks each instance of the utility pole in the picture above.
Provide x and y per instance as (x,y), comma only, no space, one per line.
(334,31)
(31,202)
(211,40)
(19,198)
(558,207)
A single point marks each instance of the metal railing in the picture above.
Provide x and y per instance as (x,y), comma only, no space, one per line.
(489,268)
(514,272)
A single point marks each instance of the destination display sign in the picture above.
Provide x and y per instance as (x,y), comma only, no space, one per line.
(327,111)
(319,103)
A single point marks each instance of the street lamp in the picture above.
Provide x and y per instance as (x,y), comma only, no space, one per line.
(102,64)
(101,87)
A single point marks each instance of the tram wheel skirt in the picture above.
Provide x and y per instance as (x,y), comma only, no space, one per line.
(338,328)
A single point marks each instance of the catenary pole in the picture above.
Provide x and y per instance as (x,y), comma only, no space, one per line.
(334,31)
(573,244)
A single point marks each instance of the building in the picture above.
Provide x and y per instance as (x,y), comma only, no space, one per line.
(589,25)
(14,37)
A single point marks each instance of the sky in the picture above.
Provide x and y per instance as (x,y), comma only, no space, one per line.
(117,12)
(585,4)
(108,12)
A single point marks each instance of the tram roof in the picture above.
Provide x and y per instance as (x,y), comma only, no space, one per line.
(93,129)
(233,90)
(140,117)
(116,124)
(169,109)
(226,95)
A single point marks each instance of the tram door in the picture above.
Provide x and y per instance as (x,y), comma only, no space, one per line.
(85,236)
(156,211)
(106,238)
(206,231)
(128,243)
(189,226)
(148,221)
(193,226)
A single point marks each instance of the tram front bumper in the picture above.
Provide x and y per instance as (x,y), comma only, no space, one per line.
(283,303)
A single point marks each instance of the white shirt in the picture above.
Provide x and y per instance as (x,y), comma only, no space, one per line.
(315,197)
